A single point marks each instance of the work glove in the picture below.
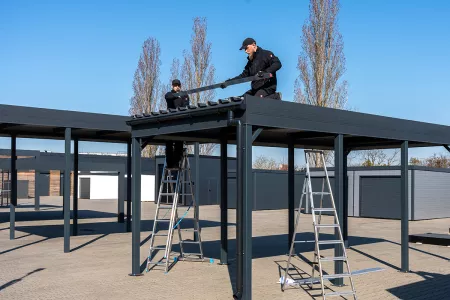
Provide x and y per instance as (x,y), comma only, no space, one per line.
(260,74)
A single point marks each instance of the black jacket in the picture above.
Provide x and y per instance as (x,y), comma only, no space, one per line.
(174,101)
(266,61)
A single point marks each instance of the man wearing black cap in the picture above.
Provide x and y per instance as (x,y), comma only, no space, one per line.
(260,61)
(174,150)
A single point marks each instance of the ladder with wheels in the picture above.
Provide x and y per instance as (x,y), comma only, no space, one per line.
(167,214)
(316,214)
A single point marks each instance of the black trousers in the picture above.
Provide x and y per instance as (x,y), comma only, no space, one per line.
(174,153)
(263,93)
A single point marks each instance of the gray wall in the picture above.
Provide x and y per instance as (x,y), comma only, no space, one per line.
(431,194)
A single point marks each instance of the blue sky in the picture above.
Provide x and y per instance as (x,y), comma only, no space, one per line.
(81,55)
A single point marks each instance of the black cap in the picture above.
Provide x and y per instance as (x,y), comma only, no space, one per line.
(176,82)
(246,42)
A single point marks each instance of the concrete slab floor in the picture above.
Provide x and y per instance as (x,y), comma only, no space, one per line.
(34,266)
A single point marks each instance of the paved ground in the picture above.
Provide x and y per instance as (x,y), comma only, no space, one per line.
(34,266)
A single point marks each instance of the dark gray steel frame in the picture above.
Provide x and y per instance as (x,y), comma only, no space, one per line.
(283,124)
(40,123)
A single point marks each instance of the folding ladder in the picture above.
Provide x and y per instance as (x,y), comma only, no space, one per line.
(175,178)
(316,214)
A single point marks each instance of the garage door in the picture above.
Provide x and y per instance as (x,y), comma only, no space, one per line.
(380,197)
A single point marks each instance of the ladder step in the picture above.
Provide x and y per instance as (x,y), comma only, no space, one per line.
(298,242)
(165,206)
(160,234)
(340,293)
(329,242)
(321,193)
(323,209)
(334,258)
(169,181)
(158,248)
(167,194)
(156,263)
(327,225)
(334,276)
(190,242)
(162,220)
(189,254)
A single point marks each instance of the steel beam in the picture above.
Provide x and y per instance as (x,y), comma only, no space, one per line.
(404,207)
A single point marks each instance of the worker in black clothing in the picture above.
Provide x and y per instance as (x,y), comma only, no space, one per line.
(260,61)
(174,150)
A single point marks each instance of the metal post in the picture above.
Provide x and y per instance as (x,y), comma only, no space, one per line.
(136,194)
(36,189)
(121,197)
(339,200)
(129,186)
(291,193)
(75,187)
(404,207)
(13,189)
(345,202)
(223,200)
(66,190)
(197,184)
(239,208)
(247,209)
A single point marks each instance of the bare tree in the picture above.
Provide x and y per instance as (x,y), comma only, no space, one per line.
(197,70)
(322,61)
(379,158)
(146,84)
(266,163)
(437,161)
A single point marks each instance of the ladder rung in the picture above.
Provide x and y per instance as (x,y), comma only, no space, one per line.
(334,276)
(298,242)
(320,193)
(162,220)
(329,242)
(340,293)
(334,258)
(190,242)
(160,234)
(189,254)
(327,225)
(165,206)
(158,248)
(156,263)
(167,194)
(169,181)
(323,209)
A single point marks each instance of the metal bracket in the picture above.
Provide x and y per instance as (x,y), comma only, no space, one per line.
(256,134)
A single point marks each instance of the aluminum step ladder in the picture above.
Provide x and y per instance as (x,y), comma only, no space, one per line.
(175,178)
(316,214)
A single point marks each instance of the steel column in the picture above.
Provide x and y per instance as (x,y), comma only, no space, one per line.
(197,185)
(223,199)
(345,200)
(247,209)
(129,186)
(13,189)
(136,195)
(339,200)
(404,207)
(75,187)
(291,193)
(37,202)
(120,197)
(66,189)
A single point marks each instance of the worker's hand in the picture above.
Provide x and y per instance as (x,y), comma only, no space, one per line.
(260,74)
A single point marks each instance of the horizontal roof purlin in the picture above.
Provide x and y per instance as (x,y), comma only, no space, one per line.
(34,122)
(309,126)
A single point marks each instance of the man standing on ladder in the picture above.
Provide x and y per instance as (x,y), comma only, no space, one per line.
(260,61)
(174,150)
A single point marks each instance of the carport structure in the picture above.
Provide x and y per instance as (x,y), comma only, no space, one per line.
(266,122)
(39,123)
